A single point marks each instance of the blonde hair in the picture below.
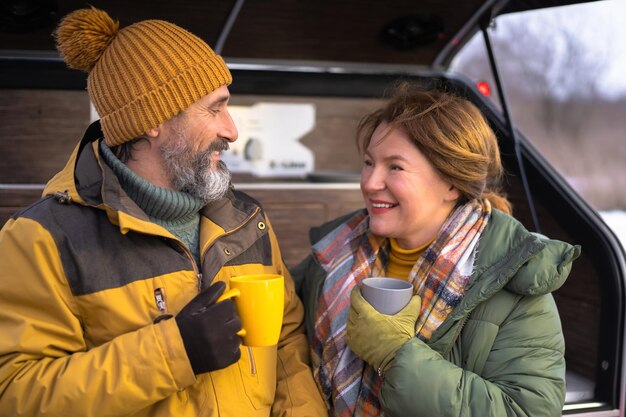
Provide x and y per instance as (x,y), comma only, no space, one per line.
(453,135)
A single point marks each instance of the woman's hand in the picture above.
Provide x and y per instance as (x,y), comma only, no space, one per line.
(375,337)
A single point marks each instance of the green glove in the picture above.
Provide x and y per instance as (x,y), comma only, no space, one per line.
(375,337)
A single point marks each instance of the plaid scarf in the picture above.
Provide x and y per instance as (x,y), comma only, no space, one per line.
(349,254)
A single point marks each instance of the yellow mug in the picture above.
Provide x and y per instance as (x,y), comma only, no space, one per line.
(260,301)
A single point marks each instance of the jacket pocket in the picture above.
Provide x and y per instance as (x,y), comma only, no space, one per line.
(258,373)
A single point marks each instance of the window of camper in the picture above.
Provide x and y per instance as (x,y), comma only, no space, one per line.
(561,75)
(286,138)
(562,71)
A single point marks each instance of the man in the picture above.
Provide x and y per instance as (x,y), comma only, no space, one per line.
(109,284)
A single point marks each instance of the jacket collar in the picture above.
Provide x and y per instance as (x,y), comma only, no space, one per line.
(87,180)
(512,258)
(525,263)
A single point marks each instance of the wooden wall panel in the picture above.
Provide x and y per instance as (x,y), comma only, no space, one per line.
(14,199)
(294,211)
(38,131)
(40,128)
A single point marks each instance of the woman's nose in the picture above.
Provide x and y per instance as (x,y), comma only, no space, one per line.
(372,180)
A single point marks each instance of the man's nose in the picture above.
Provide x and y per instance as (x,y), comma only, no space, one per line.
(229,130)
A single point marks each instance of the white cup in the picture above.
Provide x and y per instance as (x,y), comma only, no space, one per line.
(387,295)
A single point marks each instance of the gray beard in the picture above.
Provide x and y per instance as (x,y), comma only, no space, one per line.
(193,172)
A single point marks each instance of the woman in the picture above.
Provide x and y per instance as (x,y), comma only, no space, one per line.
(481,336)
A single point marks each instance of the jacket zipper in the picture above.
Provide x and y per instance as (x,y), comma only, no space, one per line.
(193,263)
(458,333)
(244,223)
(199,276)
(252,363)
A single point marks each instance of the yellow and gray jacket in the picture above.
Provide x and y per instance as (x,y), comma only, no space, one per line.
(84,274)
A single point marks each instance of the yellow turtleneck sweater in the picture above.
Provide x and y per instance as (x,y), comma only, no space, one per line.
(401,261)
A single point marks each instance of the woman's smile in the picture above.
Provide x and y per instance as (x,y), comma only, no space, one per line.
(405,196)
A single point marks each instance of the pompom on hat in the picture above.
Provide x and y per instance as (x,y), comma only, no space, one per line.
(141,75)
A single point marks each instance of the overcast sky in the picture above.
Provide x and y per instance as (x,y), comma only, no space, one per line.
(601,25)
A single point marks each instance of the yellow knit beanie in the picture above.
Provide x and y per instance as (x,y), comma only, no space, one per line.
(141,75)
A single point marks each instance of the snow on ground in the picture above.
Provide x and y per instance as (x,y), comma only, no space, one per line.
(616,220)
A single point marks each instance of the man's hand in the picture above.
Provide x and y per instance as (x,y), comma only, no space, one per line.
(209,330)
(375,337)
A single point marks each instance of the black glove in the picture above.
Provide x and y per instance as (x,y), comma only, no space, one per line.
(209,330)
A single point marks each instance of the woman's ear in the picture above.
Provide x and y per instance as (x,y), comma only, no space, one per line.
(453,194)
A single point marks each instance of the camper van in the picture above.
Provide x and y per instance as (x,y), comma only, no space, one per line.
(304,73)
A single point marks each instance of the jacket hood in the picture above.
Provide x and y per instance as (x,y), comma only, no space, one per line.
(87,181)
(65,180)
(63,183)
(524,263)
(547,271)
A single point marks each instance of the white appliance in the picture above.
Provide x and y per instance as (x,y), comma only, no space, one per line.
(268,143)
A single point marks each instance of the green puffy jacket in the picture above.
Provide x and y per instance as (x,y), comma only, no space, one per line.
(500,352)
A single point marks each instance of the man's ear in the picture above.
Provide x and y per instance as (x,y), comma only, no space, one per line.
(153,132)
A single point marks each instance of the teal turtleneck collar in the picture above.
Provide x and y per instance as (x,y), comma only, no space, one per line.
(178,212)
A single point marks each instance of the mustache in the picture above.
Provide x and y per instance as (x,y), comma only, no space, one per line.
(218,146)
